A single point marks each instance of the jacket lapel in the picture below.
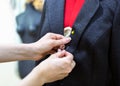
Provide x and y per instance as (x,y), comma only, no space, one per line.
(56,15)
(87,12)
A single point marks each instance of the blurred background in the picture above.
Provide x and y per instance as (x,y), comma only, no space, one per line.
(14,29)
(8,71)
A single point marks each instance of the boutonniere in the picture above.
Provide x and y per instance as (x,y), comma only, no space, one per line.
(67,31)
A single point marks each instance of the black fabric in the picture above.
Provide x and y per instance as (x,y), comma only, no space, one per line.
(25,67)
(95,43)
(27,26)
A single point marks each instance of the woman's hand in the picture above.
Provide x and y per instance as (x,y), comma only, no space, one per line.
(54,68)
(48,44)
(57,66)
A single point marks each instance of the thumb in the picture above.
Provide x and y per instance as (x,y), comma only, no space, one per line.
(59,54)
(62,41)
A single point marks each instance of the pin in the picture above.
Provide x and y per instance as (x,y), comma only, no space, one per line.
(67,31)
(73,32)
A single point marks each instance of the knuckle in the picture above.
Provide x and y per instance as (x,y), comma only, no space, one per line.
(74,63)
(71,57)
(52,43)
(67,62)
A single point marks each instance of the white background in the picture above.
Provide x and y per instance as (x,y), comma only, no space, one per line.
(8,71)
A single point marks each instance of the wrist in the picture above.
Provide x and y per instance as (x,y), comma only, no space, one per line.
(34,78)
(35,51)
(39,75)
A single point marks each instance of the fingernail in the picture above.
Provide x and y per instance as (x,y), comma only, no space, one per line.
(68,38)
(59,50)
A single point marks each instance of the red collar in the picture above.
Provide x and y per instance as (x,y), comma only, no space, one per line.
(72,8)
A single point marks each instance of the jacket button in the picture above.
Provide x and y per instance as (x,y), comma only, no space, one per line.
(73,32)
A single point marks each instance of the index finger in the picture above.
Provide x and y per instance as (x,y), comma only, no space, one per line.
(69,56)
(57,36)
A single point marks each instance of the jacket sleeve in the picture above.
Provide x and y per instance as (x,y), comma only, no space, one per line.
(115,48)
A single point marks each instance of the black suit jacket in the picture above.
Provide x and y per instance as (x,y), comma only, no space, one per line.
(95,44)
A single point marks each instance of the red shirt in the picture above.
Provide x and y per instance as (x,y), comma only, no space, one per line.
(72,8)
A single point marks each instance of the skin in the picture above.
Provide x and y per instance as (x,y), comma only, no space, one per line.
(55,67)
(33,51)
